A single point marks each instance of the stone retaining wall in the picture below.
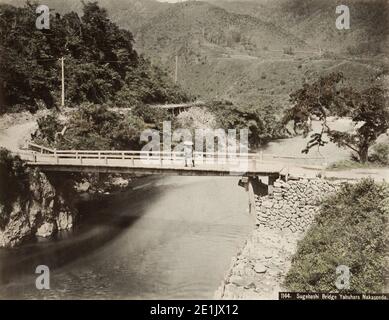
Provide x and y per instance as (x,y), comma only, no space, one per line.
(293,204)
(259,269)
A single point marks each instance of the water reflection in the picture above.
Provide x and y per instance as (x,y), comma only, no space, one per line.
(169,237)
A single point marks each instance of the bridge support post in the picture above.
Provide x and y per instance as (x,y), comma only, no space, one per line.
(250,191)
(272,179)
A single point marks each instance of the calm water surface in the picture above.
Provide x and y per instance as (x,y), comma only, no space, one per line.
(170,237)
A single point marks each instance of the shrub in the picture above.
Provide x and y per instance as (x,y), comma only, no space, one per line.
(349,230)
(380,154)
(48,127)
(92,127)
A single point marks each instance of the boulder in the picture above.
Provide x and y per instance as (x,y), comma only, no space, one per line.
(259,268)
(45,230)
(83,186)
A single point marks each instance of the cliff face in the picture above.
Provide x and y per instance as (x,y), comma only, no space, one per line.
(46,208)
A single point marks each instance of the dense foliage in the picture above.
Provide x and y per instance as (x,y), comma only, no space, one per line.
(13,182)
(380,154)
(263,125)
(351,229)
(92,127)
(101,65)
(368,109)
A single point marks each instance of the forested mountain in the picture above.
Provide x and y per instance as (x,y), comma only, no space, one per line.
(253,52)
(128,14)
(314,22)
(101,64)
(192,28)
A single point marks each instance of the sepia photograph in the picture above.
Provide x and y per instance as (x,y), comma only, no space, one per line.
(214,150)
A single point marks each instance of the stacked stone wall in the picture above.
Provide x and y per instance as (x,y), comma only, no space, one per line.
(293,204)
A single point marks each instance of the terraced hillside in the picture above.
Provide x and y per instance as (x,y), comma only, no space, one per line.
(254,52)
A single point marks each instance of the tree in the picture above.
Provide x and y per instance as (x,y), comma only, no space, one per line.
(261,124)
(368,110)
(101,65)
(91,127)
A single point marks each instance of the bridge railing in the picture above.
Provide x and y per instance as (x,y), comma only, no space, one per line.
(132,158)
(221,160)
(143,155)
(39,149)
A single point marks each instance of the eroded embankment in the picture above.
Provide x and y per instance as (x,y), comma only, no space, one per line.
(258,270)
(45,206)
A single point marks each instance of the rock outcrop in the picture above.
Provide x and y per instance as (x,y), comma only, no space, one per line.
(47,207)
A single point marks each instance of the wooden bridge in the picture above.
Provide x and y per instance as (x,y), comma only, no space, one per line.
(176,109)
(145,162)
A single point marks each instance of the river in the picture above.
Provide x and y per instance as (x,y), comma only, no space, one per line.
(168,237)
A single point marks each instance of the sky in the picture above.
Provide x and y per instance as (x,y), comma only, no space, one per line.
(172,1)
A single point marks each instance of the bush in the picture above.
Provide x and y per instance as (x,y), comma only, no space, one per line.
(380,154)
(350,230)
(92,127)
(48,127)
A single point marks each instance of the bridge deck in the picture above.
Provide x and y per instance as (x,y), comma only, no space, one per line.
(141,162)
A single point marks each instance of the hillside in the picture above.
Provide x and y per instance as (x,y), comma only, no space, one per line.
(100,63)
(189,28)
(260,83)
(253,52)
(314,22)
(128,14)
(236,50)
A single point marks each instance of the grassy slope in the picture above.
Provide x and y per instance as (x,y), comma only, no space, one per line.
(266,81)
(314,21)
(253,70)
(350,230)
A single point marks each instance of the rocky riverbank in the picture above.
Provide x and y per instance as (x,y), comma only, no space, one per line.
(282,218)
(50,204)
(45,207)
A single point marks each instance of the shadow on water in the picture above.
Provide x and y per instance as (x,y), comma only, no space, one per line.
(100,221)
(167,237)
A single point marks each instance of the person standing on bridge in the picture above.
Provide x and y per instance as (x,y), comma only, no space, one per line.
(188,152)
